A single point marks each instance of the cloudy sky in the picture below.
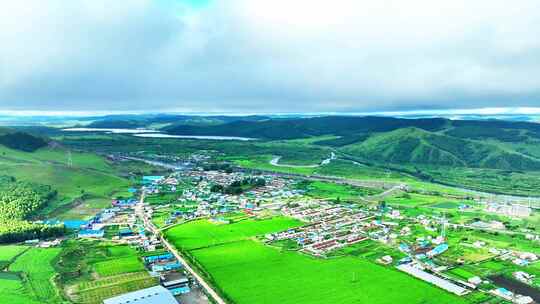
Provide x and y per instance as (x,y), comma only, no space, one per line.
(268,55)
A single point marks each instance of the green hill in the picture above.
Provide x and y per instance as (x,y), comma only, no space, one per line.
(21,140)
(416,146)
(489,144)
(307,127)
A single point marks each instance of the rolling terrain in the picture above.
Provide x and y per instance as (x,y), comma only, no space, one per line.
(488,144)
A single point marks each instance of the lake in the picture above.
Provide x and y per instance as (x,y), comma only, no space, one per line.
(115,131)
(161,135)
(155,134)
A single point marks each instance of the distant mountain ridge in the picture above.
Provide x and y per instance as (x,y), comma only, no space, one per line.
(307,127)
(145,121)
(426,141)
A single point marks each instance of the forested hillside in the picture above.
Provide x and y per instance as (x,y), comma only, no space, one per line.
(489,144)
(21,140)
(306,127)
(18,201)
(415,146)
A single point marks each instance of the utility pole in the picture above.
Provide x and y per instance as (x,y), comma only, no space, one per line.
(69,159)
(443,230)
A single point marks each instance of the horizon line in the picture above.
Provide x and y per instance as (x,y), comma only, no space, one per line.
(434,112)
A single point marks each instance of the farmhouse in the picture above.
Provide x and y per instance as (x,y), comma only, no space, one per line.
(437,250)
(90,233)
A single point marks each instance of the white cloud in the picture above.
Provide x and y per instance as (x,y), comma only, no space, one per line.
(269,55)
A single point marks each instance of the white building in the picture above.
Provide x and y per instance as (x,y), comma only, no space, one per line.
(152,295)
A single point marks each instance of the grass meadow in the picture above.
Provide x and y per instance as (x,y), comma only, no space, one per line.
(118,266)
(90,176)
(203,233)
(12,290)
(335,191)
(9,252)
(36,268)
(250,272)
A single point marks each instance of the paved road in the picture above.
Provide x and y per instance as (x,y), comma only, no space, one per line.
(139,210)
(275,162)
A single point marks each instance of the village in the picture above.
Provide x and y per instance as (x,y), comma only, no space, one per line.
(417,245)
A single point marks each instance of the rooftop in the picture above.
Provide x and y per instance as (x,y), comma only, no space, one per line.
(152,295)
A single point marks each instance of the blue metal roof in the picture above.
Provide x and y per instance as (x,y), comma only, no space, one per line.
(152,295)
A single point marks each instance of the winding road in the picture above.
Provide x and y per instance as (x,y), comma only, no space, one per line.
(275,162)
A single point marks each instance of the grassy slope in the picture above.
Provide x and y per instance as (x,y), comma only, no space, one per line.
(416,146)
(90,175)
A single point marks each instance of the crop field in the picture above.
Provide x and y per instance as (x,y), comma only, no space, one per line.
(335,191)
(95,291)
(162,198)
(160,216)
(12,290)
(85,209)
(461,273)
(499,240)
(250,272)
(36,269)
(247,271)
(204,233)
(91,271)
(118,266)
(9,252)
(414,199)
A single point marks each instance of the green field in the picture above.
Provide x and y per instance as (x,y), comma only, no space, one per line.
(91,271)
(12,290)
(247,271)
(36,268)
(204,233)
(89,177)
(415,199)
(95,291)
(118,266)
(85,209)
(335,191)
(250,272)
(9,252)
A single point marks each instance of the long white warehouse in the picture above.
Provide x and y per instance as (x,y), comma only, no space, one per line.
(435,280)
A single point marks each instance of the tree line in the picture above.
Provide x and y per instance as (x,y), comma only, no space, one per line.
(240,186)
(18,201)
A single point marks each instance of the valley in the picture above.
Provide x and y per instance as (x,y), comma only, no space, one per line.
(235,213)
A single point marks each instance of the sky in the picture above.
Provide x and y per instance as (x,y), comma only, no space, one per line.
(268,55)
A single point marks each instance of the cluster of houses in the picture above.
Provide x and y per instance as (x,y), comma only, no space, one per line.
(200,201)
(512,210)
(328,227)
